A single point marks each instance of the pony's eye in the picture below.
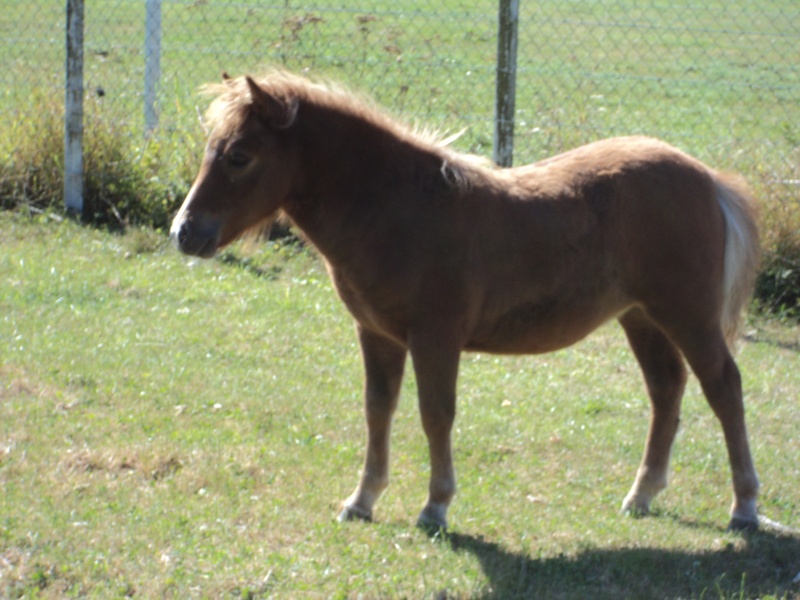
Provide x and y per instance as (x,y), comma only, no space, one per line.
(238,159)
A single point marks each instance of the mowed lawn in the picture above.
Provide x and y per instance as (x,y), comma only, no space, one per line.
(180,428)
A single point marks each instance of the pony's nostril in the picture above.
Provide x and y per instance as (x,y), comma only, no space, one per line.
(183,233)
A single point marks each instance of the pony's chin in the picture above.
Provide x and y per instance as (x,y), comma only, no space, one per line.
(209,250)
(202,247)
(196,238)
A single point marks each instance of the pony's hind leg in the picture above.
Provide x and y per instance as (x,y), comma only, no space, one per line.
(384,362)
(712,363)
(665,376)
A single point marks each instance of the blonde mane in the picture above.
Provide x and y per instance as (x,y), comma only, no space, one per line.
(232,100)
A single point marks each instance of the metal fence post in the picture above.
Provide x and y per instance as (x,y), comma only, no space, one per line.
(73,109)
(506,82)
(152,63)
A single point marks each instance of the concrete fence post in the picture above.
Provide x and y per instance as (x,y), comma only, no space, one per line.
(506,82)
(73,109)
(152,63)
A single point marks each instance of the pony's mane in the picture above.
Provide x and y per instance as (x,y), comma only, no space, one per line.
(232,100)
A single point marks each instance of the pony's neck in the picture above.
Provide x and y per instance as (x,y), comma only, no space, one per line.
(349,169)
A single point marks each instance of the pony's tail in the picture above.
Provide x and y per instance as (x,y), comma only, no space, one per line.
(742,251)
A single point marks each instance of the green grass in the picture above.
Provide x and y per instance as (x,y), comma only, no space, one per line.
(178,428)
(187,429)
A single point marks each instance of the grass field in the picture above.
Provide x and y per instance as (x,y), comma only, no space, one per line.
(174,428)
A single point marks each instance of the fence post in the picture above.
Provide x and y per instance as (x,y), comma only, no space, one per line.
(73,109)
(152,62)
(506,82)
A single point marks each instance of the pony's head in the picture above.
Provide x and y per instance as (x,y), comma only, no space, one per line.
(245,174)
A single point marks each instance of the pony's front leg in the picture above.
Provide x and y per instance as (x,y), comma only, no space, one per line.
(436,360)
(384,362)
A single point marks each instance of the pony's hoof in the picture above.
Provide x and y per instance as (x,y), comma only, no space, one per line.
(432,519)
(634,508)
(353,513)
(743,525)
(432,530)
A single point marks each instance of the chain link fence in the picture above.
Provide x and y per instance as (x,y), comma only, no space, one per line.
(720,79)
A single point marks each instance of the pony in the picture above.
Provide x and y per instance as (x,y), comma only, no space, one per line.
(435,252)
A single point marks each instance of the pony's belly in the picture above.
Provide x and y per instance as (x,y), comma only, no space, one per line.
(538,328)
(534,341)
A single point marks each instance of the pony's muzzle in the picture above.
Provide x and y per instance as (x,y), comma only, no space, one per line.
(195,239)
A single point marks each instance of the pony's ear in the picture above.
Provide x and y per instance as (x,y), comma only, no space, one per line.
(227,79)
(279,112)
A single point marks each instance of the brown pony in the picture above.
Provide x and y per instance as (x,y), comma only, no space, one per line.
(436,252)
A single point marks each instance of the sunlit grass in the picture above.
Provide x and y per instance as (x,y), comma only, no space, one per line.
(172,427)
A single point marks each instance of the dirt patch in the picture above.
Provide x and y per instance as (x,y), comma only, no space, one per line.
(90,461)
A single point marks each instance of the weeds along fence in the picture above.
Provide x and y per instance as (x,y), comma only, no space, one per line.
(720,79)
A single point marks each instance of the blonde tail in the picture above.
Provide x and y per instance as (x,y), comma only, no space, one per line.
(742,251)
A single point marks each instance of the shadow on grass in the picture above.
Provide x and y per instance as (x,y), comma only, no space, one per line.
(269,272)
(758,338)
(764,565)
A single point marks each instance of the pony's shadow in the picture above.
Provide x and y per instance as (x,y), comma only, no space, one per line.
(641,572)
